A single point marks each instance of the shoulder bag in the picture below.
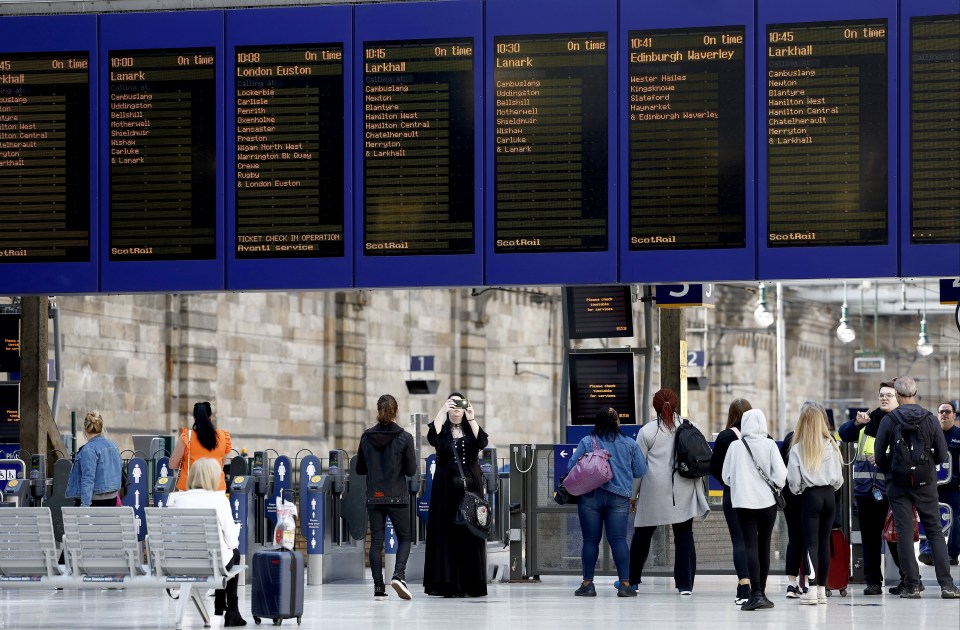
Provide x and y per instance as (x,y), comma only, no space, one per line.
(890,528)
(474,511)
(774,488)
(590,472)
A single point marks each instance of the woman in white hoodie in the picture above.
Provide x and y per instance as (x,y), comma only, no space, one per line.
(753,498)
(814,473)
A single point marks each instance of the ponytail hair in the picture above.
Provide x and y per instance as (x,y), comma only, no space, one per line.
(665,404)
(386,410)
(203,425)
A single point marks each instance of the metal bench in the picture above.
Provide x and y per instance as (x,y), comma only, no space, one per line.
(184,549)
(28,551)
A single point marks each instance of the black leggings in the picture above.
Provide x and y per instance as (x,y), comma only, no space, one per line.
(757,528)
(685,559)
(736,537)
(817,509)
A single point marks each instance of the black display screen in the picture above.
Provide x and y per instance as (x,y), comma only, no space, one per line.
(599,380)
(45,157)
(418,147)
(935,130)
(289,134)
(827,111)
(599,312)
(9,342)
(163,150)
(687,143)
(550,134)
(9,413)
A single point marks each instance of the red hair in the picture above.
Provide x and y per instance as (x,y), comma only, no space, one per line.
(665,404)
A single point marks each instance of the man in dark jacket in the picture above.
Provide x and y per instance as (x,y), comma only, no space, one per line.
(386,456)
(922,494)
(950,491)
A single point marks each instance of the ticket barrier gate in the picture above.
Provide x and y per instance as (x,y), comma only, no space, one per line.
(243,504)
(345,519)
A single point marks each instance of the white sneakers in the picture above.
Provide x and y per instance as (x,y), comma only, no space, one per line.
(815,595)
(821,594)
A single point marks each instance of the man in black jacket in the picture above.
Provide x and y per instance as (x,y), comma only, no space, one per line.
(922,494)
(386,456)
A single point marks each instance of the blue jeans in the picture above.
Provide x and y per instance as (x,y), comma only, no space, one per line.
(599,510)
(951,498)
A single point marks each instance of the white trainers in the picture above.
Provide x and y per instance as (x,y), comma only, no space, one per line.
(810,597)
(821,594)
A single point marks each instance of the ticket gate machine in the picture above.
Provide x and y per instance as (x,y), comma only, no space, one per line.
(243,506)
(345,517)
(38,478)
(262,490)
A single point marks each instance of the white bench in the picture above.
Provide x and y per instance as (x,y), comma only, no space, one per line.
(101,549)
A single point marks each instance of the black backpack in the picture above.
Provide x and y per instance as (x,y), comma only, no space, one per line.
(691,452)
(911,463)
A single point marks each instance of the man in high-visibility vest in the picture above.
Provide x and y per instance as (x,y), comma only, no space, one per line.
(870,489)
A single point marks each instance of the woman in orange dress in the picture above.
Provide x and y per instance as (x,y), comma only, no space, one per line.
(203,440)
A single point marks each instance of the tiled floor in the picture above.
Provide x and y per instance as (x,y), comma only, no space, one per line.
(547,605)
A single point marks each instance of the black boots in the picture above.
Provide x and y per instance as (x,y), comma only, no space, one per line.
(232,617)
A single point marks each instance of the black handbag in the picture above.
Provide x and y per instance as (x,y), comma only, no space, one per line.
(777,491)
(474,512)
(562,496)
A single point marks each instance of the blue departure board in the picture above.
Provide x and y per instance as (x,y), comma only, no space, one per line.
(161,153)
(417,144)
(551,142)
(929,138)
(686,150)
(826,131)
(48,150)
(289,202)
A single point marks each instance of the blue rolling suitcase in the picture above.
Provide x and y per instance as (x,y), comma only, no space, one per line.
(277,585)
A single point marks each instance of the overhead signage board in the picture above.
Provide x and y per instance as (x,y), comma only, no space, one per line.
(826,133)
(930,138)
(48,151)
(10,342)
(288,172)
(599,312)
(599,380)
(418,109)
(684,295)
(550,142)
(687,202)
(161,151)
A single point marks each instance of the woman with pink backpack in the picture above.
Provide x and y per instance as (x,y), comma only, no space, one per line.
(606,507)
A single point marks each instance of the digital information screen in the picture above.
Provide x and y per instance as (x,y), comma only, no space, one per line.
(687,143)
(934,130)
(599,312)
(9,413)
(45,157)
(600,380)
(289,157)
(162,143)
(418,147)
(827,133)
(550,134)
(9,342)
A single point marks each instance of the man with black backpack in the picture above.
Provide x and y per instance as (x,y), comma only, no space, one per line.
(916,444)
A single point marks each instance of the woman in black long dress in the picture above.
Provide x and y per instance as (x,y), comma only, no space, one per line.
(456,560)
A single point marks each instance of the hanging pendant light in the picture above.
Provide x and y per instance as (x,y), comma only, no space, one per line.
(845,333)
(762,314)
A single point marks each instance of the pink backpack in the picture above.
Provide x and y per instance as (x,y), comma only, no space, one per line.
(590,472)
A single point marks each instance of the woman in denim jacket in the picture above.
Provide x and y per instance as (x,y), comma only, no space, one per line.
(95,476)
(607,506)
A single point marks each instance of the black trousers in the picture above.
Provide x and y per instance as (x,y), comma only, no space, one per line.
(685,557)
(736,537)
(757,527)
(926,501)
(400,519)
(871,514)
(816,513)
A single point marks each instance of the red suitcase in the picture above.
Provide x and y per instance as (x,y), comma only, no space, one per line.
(838,578)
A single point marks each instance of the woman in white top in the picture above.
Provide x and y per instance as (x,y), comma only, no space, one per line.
(753,498)
(202,481)
(815,473)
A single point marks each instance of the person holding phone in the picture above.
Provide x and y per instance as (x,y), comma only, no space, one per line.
(455,563)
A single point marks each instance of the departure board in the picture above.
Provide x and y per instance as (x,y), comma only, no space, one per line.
(418,147)
(9,342)
(550,135)
(599,312)
(289,151)
(686,125)
(827,161)
(599,380)
(9,413)
(162,144)
(935,130)
(45,157)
